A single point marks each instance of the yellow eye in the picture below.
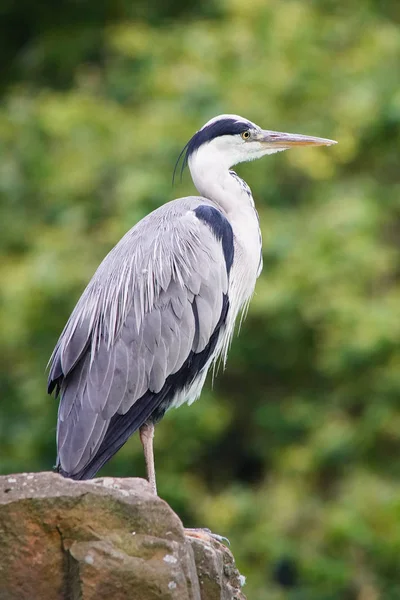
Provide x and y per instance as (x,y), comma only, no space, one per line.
(245,135)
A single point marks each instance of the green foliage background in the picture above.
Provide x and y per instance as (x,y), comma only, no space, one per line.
(294,453)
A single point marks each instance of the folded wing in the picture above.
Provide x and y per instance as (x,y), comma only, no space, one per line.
(146,327)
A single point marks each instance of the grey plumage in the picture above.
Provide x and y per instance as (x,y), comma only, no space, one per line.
(135,325)
(162,305)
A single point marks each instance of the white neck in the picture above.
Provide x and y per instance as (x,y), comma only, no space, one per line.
(212,178)
(209,167)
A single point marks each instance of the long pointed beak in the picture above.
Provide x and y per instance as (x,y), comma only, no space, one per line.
(277,139)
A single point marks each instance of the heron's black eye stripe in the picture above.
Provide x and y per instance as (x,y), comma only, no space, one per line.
(245,135)
(228,126)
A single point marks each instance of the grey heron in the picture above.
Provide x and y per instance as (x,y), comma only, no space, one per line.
(162,306)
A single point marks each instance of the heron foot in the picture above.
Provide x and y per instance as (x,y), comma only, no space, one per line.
(203,533)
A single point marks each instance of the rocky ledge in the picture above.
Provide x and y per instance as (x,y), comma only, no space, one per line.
(103,539)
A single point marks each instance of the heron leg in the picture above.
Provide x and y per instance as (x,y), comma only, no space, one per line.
(146,433)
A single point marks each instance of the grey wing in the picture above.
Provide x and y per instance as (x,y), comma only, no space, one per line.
(146,325)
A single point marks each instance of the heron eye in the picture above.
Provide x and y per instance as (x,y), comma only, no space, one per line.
(245,135)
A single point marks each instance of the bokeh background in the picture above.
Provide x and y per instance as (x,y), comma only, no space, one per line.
(294,454)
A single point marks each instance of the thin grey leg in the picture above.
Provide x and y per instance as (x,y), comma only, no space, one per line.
(146,433)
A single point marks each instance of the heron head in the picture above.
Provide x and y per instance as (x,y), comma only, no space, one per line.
(230,139)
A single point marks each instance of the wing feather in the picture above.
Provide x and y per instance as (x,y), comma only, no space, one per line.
(155,299)
(119,381)
(206,322)
(75,383)
(74,347)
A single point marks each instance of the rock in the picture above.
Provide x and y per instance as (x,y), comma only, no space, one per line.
(218,576)
(100,539)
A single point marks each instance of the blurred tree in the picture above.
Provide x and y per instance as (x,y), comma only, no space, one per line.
(294,453)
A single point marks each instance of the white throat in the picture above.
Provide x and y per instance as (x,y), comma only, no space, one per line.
(210,171)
